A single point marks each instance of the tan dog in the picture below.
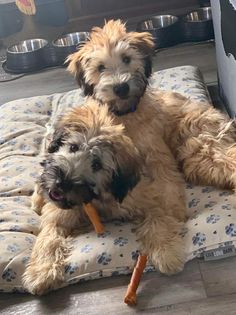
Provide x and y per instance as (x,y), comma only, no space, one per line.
(170,131)
(167,129)
(90,160)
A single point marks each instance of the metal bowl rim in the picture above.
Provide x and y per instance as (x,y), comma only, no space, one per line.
(157,28)
(26,52)
(197,10)
(65,35)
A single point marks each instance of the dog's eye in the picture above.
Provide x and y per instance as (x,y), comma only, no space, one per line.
(101,68)
(96,165)
(126,59)
(74,148)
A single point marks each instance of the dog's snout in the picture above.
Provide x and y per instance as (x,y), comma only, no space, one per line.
(63,184)
(121,90)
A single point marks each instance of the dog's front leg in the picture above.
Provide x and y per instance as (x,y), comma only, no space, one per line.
(45,270)
(37,200)
(163,205)
(161,240)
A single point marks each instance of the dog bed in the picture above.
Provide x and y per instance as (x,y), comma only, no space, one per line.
(210,231)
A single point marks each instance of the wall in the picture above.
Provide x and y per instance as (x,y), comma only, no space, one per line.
(224,20)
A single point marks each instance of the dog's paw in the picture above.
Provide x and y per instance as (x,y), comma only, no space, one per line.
(38,280)
(36,208)
(37,202)
(169,260)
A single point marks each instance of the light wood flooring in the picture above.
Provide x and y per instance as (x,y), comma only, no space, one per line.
(203,288)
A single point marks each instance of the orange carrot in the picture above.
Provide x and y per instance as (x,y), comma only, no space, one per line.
(94,218)
(130,297)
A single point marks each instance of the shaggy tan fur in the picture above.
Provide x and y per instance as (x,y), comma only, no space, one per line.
(170,132)
(199,137)
(158,218)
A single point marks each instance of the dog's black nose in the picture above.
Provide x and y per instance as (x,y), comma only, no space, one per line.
(121,90)
(64,184)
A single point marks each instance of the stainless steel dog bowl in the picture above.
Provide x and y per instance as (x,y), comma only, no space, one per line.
(29,45)
(69,43)
(202,14)
(158,21)
(164,29)
(198,25)
(72,39)
(26,56)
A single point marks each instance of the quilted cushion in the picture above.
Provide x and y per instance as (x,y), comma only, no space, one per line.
(212,222)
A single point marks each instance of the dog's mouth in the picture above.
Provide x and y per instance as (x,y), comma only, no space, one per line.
(65,202)
(121,107)
(56,195)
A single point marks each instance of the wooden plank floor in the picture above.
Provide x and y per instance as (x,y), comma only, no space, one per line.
(203,288)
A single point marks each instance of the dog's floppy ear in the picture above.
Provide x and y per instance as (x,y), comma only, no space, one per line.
(75,67)
(144,43)
(128,169)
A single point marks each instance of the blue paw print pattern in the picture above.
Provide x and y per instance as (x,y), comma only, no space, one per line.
(120,241)
(104,235)
(199,239)
(149,269)
(213,218)
(86,249)
(13,248)
(224,193)
(121,271)
(20,168)
(15,228)
(33,221)
(33,174)
(25,147)
(71,268)
(189,186)
(210,204)
(9,275)
(230,229)
(226,206)
(115,273)
(134,255)
(193,203)
(29,239)
(25,260)
(104,258)
(118,222)
(207,189)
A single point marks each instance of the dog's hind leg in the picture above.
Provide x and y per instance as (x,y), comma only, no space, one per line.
(45,270)
(208,156)
(207,162)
